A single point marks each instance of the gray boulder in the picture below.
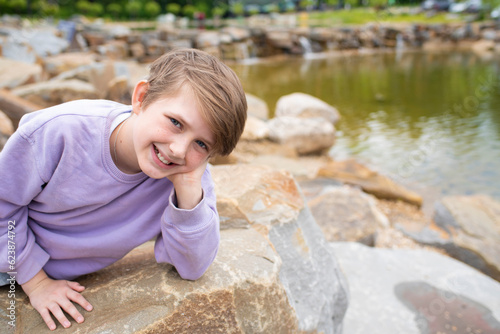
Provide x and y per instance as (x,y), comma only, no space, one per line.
(307,135)
(15,73)
(348,214)
(271,202)
(415,292)
(306,106)
(467,228)
(257,107)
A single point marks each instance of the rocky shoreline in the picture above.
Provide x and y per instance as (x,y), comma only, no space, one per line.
(306,240)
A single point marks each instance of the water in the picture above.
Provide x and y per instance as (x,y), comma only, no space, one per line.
(431,121)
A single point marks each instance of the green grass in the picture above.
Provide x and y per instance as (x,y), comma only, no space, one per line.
(358,16)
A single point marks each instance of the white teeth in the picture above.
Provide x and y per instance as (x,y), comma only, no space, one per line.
(162,159)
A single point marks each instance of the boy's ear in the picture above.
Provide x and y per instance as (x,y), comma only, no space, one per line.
(138,96)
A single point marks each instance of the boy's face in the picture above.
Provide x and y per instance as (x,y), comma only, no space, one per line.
(170,136)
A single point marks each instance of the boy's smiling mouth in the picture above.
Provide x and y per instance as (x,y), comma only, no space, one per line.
(161,157)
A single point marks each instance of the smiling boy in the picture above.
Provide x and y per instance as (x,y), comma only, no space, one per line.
(87,181)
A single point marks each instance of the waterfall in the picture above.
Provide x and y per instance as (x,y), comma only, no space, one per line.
(306,45)
(246,52)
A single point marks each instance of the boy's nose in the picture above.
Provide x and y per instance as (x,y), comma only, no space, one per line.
(179,148)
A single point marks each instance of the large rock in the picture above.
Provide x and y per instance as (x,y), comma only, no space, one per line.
(6,129)
(467,228)
(255,129)
(100,75)
(30,45)
(17,73)
(50,93)
(55,65)
(307,135)
(15,107)
(305,105)
(351,172)
(302,168)
(415,292)
(257,107)
(270,202)
(240,293)
(274,273)
(347,214)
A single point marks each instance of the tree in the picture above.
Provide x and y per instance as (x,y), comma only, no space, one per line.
(174,8)
(114,9)
(238,9)
(188,11)
(133,8)
(83,7)
(152,9)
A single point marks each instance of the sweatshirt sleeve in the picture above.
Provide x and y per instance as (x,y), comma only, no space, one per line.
(189,239)
(20,182)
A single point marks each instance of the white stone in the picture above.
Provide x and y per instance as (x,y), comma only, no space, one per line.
(307,135)
(305,105)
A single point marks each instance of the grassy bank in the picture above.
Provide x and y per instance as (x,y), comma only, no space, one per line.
(369,15)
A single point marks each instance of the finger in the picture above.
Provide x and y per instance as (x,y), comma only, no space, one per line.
(48,319)
(76,286)
(59,315)
(72,311)
(80,300)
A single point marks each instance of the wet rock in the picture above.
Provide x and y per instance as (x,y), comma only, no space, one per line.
(17,73)
(50,93)
(270,202)
(351,172)
(483,46)
(347,214)
(257,107)
(307,135)
(235,51)
(467,228)
(305,106)
(280,39)
(415,291)
(56,65)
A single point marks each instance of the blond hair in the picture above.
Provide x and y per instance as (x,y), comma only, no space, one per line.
(216,87)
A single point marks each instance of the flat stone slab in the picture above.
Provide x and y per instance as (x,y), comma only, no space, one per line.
(415,292)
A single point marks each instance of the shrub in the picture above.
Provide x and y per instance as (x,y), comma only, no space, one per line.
(174,8)
(152,9)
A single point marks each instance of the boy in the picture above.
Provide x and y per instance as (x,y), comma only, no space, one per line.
(87,181)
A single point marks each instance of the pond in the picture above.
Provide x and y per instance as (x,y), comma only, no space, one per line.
(430,121)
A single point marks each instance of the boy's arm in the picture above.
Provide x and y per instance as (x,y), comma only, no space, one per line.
(20,182)
(20,254)
(190,236)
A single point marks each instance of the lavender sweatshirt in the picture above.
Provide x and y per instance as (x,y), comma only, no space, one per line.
(75,212)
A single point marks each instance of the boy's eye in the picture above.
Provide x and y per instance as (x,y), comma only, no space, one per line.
(175,122)
(202,144)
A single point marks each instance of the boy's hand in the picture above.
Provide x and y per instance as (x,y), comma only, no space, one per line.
(188,188)
(53,296)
